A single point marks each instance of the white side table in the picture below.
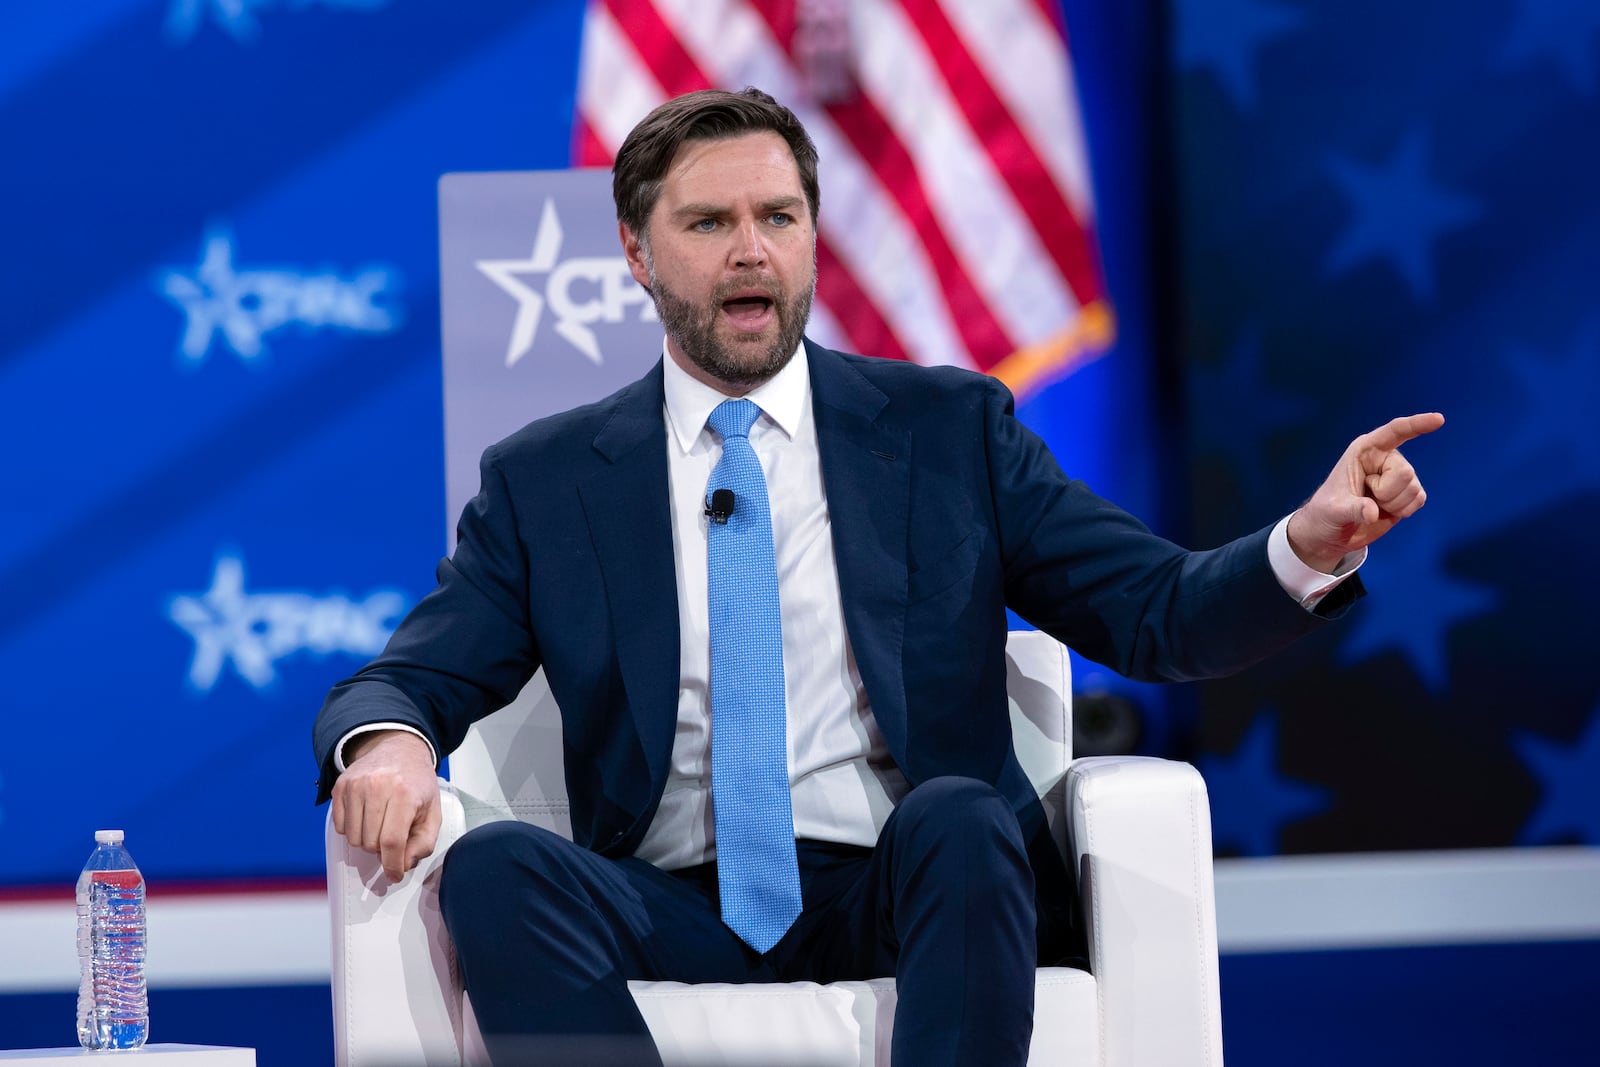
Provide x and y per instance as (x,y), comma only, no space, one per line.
(148,1056)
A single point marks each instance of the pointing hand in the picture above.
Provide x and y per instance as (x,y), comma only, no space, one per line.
(1371,488)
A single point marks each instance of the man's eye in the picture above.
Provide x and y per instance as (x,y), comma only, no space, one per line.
(704,226)
(779,218)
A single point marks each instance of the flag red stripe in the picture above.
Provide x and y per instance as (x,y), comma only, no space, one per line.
(587,148)
(671,64)
(876,143)
(1051,10)
(880,148)
(782,19)
(1060,231)
(677,72)
(856,314)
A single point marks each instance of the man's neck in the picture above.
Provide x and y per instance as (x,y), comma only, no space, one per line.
(737,388)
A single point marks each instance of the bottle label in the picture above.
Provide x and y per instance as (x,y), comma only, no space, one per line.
(127,880)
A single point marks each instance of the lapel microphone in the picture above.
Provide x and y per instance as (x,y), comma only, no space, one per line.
(720,506)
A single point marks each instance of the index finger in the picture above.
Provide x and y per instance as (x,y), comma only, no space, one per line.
(398,816)
(1397,432)
(337,809)
(424,835)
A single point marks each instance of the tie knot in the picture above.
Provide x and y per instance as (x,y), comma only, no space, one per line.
(733,418)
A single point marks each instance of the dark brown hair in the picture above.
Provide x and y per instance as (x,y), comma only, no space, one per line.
(707,115)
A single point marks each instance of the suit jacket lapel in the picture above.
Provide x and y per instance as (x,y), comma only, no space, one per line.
(634,547)
(865,459)
(866,472)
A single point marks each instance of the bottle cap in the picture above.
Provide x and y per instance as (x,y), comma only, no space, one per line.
(108,837)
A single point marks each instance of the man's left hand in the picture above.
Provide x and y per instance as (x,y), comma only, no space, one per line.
(1371,488)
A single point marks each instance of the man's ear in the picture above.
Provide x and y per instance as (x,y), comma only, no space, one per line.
(633,249)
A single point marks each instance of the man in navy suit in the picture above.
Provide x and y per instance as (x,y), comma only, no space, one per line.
(908,509)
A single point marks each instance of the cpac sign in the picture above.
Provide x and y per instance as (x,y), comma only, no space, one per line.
(243,306)
(538,310)
(238,17)
(253,631)
(580,292)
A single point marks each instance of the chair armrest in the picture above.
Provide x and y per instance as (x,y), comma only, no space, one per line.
(1141,839)
(387,1011)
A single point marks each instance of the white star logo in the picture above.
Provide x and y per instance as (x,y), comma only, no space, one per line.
(245,306)
(605,282)
(255,630)
(530,304)
(212,302)
(234,16)
(237,18)
(222,623)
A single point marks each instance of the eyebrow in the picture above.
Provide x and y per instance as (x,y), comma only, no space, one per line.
(699,210)
(781,203)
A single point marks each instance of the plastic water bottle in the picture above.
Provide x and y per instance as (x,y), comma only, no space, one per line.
(113,1011)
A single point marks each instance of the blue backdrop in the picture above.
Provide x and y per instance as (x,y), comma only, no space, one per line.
(1385,208)
(222,426)
(221,371)
(220,364)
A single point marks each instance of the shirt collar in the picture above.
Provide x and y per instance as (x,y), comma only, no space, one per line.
(782,399)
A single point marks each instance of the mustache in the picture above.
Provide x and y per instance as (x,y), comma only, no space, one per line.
(746,283)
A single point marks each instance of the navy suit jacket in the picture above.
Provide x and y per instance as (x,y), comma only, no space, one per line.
(945,510)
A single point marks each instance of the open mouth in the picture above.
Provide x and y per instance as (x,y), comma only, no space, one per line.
(749,312)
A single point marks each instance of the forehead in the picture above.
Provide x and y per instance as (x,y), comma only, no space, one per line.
(757,166)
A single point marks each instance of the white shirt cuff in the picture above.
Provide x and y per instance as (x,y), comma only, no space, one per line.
(1306,584)
(373,727)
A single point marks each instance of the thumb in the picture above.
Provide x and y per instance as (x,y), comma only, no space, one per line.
(1363,510)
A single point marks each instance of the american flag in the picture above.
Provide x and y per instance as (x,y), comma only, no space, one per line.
(957,223)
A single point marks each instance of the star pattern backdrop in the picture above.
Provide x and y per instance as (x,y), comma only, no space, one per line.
(219,353)
(1387,208)
(219,357)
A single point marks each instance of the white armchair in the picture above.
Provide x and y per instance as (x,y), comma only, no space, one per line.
(1137,829)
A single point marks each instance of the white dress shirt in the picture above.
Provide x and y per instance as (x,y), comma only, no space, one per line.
(843,784)
(842,780)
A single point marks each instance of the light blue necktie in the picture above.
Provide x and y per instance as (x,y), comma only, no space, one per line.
(756,866)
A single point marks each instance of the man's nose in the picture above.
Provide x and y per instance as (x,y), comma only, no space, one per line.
(749,250)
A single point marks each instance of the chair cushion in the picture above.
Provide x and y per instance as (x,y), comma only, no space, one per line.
(844,1024)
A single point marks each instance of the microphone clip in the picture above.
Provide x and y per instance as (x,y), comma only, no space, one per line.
(720,506)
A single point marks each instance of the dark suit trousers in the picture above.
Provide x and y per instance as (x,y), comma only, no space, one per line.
(548,933)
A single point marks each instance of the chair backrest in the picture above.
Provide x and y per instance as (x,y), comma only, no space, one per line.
(510,765)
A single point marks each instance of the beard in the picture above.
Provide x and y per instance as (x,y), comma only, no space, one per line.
(747,359)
